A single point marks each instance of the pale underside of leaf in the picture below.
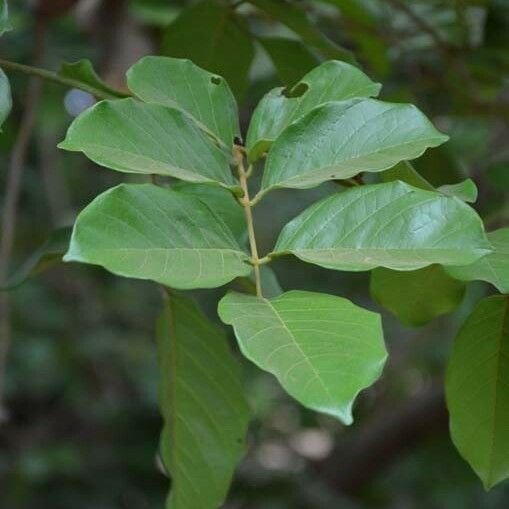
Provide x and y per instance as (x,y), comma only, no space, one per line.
(180,84)
(477,389)
(338,140)
(323,349)
(202,402)
(148,232)
(391,225)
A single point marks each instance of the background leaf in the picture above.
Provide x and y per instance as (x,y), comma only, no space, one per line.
(323,349)
(84,72)
(45,256)
(416,297)
(290,57)
(181,84)
(476,388)
(5,98)
(213,37)
(5,26)
(296,19)
(330,81)
(493,268)
(148,232)
(465,190)
(341,139)
(202,402)
(129,136)
(390,225)
(406,172)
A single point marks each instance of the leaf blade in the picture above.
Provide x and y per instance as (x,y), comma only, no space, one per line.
(133,137)
(416,297)
(493,268)
(180,84)
(303,338)
(330,81)
(148,232)
(203,406)
(338,140)
(476,390)
(390,225)
(5,98)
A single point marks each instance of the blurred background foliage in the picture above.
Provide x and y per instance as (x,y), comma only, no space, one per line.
(81,394)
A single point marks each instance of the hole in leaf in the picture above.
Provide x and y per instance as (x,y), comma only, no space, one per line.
(216,80)
(297,91)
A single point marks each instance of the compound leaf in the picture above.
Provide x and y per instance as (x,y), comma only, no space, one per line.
(330,81)
(149,232)
(323,349)
(476,389)
(391,225)
(416,297)
(181,84)
(493,268)
(130,136)
(203,406)
(341,139)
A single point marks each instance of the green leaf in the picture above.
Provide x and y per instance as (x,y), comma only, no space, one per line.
(222,203)
(296,19)
(48,254)
(213,37)
(82,71)
(180,84)
(391,225)
(416,297)
(323,349)
(5,98)
(330,81)
(203,406)
(5,26)
(476,389)
(465,190)
(133,137)
(149,232)
(341,139)
(290,57)
(405,172)
(493,268)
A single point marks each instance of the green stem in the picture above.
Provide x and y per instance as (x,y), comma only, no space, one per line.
(55,78)
(246,204)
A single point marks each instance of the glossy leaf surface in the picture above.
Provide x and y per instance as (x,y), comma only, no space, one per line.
(391,225)
(134,137)
(203,406)
(215,38)
(341,139)
(477,390)
(493,268)
(416,297)
(181,84)
(330,81)
(323,349)
(148,232)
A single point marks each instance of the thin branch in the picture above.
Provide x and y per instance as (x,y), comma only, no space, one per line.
(55,78)
(14,175)
(246,204)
